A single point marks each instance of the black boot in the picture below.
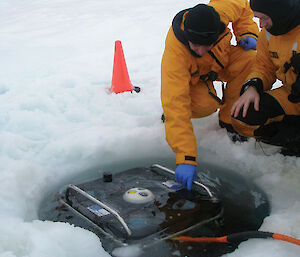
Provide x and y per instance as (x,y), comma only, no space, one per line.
(285,133)
(233,135)
(292,149)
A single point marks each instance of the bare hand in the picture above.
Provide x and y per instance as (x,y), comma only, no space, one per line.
(248,97)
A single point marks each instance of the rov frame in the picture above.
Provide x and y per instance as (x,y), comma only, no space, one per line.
(64,199)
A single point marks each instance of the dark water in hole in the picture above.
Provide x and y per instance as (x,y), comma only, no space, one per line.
(245,206)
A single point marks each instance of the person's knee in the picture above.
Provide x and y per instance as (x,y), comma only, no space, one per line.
(203,108)
(243,128)
(253,117)
(251,124)
(246,125)
(269,108)
(203,112)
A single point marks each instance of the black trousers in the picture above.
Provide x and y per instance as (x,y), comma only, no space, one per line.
(270,124)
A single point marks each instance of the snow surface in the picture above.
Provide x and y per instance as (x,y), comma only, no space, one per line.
(60,123)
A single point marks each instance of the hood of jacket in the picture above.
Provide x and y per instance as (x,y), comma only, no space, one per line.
(285,14)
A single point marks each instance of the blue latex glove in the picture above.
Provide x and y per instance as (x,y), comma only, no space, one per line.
(185,174)
(248,43)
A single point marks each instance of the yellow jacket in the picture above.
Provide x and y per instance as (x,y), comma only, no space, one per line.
(273,52)
(180,69)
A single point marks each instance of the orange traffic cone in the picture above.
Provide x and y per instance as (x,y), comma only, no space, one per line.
(120,78)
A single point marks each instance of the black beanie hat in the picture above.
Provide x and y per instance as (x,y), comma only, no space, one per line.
(283,13)
(202,25)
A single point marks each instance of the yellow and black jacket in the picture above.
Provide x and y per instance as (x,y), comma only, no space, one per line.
(272,62)
(180,69)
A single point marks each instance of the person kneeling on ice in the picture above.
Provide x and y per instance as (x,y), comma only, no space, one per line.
(197,52)
(273,116)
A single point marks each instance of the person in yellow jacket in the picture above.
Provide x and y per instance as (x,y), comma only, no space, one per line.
(273,115)
(198,51)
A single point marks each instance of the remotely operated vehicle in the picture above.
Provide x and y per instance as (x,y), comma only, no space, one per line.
(142,204)
(147,208)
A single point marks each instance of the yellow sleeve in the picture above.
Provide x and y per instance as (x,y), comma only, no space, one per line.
(240,14)
(263,67)
(176,101)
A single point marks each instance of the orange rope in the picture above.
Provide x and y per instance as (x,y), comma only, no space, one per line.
(286,238)
(224,239)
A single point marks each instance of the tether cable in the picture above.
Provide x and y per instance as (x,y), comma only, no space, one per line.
(239,237)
